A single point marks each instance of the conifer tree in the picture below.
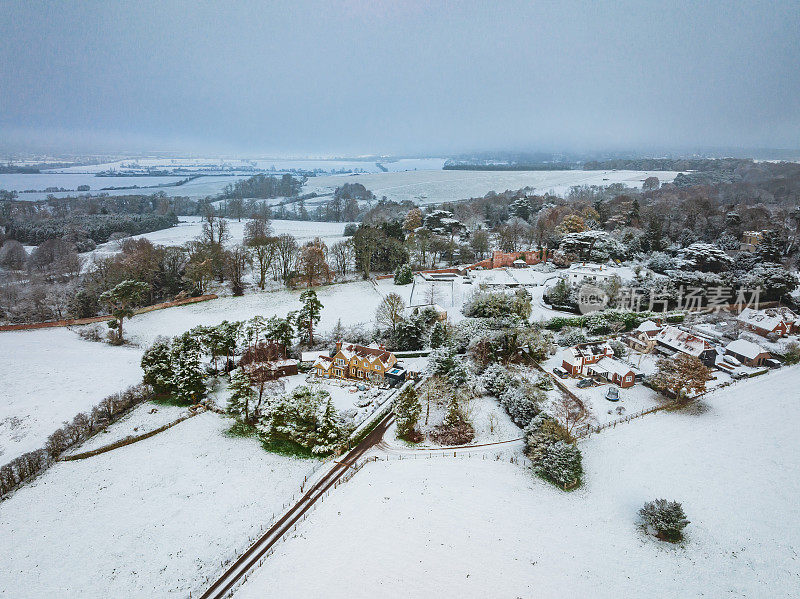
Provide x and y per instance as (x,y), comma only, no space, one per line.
(157,367)
(241,394)
(188,377)
(407,410)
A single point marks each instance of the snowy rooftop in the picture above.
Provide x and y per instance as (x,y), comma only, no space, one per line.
(682,341)
(767,319)
(745,348)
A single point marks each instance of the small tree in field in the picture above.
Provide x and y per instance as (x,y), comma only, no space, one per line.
(121,300)
(407,410)
(665,519)
(682,375)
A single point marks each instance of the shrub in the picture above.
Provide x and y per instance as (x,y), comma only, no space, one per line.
(487,304)
(522,403)
(403,275)
(497,380)
(792,353)
(561,464)
(456,428)
(665,519)
(541,432)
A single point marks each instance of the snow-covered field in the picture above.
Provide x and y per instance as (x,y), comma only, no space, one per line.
(191,227)
(277,164)
(480,528)
(152,519)
(436,186)
(40,182)
(353,303)
(50,375)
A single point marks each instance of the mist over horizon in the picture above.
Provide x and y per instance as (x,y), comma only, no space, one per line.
(379,78)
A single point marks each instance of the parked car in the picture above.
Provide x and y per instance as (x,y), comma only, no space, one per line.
(560,373)
(583,383)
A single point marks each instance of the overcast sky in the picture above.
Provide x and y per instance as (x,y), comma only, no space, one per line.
(372,76)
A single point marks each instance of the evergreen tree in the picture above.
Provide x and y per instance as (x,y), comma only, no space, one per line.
(330,433)
(561,463)
(407,410)
(666,518)
(121,301)
(439,334)
(769,247)
(188,377)
(307,316)
(241,394)
(157,367)
(403,275)
(410,334)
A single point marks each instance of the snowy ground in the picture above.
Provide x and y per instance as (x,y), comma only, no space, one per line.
(437,186)
(191,227)
(50,375)
(152,519)
(353,303)
(344,394)
(481,528)
(451,294)
(142,419)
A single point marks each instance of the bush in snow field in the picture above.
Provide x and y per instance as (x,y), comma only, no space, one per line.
(561,464)
(665,519)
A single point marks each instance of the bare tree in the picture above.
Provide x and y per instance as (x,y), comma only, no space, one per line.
(258,237)
(342,256)
(571,413)
(390,311)
(286,249)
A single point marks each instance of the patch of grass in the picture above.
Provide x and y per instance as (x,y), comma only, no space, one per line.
(287,448)
(241,429)
(168,400)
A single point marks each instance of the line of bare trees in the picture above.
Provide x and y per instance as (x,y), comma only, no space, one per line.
(25,467)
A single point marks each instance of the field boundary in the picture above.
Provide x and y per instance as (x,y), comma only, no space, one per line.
(129,440)
(93,319)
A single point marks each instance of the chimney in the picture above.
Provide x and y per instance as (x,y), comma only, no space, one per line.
(338,346)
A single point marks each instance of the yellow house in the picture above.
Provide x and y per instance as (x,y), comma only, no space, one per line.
(356,362)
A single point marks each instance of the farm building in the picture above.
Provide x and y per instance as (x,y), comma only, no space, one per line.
(270,357)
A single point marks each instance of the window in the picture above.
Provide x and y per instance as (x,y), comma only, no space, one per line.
(339,362)
(361,374)
(352,371)
(628,379)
